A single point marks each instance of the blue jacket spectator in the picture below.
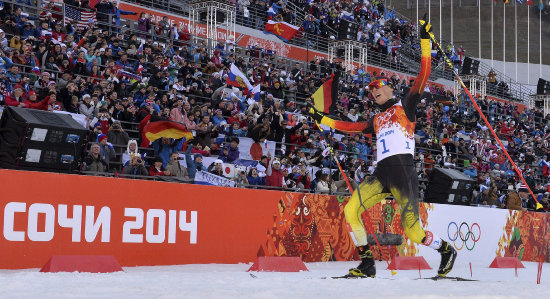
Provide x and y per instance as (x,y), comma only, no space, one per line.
(194,164)
(164,147)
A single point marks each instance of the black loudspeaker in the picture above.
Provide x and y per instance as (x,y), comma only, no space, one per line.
(220,17)
(40,140)
(470,66)
(449,186)
(347,30)
(543,87)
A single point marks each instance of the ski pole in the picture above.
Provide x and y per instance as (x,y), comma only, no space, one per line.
(369,224)
(538,205)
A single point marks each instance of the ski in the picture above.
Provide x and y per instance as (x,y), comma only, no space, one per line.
(349,276)
(452,278)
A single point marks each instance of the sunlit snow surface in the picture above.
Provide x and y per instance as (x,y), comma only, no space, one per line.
(232,281)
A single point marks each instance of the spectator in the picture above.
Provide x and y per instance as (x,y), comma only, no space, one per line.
(106,149)
(164,147)
(194,164)
(216,168)
(157,169)
(135,166)
(94,162)
(241,178)
(254,179)
(231,153)
(274,175)
(117,135)
(324,185)
(175,168)
(131,150)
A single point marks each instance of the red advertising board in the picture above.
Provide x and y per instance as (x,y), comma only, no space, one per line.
(139,222)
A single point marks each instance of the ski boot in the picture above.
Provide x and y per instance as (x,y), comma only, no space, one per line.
(448,257)
(366,268)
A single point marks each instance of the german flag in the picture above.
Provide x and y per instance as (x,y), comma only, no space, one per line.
(169,129)
(327,94)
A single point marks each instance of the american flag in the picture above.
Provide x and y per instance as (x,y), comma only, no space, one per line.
(82,16)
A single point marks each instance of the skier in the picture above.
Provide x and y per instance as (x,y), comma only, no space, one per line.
(395,169)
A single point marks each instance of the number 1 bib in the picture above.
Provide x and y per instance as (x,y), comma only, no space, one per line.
(394,133)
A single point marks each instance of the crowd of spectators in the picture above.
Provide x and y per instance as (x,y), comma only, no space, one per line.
(120,80)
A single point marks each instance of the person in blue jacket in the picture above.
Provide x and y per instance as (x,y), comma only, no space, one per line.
(194,164)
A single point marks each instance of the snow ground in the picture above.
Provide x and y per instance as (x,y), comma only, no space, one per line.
(232,281)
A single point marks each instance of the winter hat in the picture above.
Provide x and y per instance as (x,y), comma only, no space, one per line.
(523,188)
(101,137)
(197,156)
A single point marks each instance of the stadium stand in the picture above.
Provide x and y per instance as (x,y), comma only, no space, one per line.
(120,74)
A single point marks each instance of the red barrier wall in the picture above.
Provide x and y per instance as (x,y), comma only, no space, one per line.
(230,222)
(155,223)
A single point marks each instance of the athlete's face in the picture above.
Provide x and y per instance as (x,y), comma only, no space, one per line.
(382,94)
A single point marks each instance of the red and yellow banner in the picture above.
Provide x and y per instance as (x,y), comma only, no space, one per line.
(326,94)
(168,129)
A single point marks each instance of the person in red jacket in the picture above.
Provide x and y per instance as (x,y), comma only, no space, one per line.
(157,169)
(33,102)
(274,174)
(16,98)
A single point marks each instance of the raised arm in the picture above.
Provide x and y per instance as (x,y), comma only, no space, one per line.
(412,99)
(344,126)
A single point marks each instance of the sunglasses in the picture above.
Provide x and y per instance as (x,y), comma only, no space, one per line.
(378,84)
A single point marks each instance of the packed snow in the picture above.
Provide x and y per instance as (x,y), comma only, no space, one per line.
(232,281)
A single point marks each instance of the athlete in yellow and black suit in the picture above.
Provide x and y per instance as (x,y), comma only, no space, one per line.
(395,172)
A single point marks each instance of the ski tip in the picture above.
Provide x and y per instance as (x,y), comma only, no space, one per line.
(393,272)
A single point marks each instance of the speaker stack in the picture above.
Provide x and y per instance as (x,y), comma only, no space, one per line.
(40,140)
(470,66)
(347,30)
(543,87)
(449,186)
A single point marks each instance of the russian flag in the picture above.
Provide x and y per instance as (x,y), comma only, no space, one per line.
(35,70)
(129,75)
(256,92)
(545,168)
(139,50)
(238,79)
(140,69)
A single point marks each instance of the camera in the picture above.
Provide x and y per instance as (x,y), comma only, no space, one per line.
(139,161)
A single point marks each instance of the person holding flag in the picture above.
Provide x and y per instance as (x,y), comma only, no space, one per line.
(395,171)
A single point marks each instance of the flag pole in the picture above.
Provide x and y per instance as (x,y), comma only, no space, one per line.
(504,37)
(516,35)
(492,29)
(540,43)
(528,45)
(429,10)
(440,23)
(479,28)
(538,205)
(417,9)
(452,25)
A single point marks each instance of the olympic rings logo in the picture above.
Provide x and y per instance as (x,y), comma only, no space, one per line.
(469,235)
(384,117)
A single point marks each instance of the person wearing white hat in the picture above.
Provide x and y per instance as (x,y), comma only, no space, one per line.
(216,168)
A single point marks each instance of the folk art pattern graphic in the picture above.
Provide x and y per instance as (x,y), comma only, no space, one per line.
(313,227)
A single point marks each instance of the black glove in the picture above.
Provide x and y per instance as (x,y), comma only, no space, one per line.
(314,113)
(425,28)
